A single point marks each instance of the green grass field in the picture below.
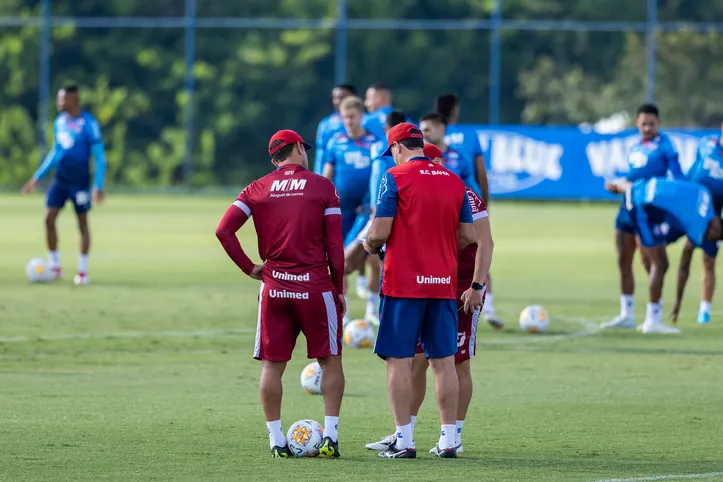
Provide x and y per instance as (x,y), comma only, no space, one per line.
(146,374)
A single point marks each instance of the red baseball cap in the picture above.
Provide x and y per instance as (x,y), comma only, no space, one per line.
(288,137)
(400,132)
(432,151)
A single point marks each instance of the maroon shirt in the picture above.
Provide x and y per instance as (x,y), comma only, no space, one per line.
(466,257)
(297,218)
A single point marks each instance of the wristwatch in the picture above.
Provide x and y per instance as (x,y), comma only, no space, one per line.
(477,287)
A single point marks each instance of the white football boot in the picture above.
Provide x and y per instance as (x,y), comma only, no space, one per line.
(619,321)
(81,279)
(650,326)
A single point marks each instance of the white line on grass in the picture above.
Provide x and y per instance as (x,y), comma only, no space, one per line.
(589,328)
(129,334)
(667,477)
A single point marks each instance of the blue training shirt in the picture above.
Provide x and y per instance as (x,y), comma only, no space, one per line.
(374,122)
(653,158)
(351,159)
(380,165)
(328,126)
(463,167)
(707,169)
(464,141)
(689,203)
(75,140)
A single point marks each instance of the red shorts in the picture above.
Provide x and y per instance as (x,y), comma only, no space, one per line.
(283,314)
(466,333)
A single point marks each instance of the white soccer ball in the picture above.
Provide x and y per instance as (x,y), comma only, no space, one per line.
(534,319)
(311,378)
(359,334)
(304,438)
(38,271)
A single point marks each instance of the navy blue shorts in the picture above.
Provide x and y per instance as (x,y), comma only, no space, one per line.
(59,193)
(652,226)
(623,222)
(404,321)
(709,247)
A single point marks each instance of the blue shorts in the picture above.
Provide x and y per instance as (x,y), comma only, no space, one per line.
(360,222)
(59,193)
(652,226)
(623,222)
(405,321)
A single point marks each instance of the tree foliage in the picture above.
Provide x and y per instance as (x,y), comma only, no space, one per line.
(249,83)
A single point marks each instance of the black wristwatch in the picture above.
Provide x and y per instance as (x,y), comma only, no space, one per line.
(477,287)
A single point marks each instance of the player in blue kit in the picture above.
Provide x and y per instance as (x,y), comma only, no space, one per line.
(77,137)
(354,253)
(378,101)
(652,156)
(347,163)
(652,206)
(707,170)
(463,142)
(433,127)
(330,124)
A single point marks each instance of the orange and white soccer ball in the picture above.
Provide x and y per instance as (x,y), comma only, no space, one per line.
(311,378)
(534,319)
(359,334)
(304,438)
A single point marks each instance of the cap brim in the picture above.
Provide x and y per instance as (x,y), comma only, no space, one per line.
(387,152)
(307,146)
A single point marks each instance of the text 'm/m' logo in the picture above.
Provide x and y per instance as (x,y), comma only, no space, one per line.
(288,185)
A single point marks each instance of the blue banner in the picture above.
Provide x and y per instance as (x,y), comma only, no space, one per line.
(563,163)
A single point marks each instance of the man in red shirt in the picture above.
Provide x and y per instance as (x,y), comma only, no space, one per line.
(423,215)
(474,264)
(297,218)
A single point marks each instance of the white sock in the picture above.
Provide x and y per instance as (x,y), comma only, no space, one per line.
(705,306)
(627,306)
(489,306)
(404,437)
(458,435)
(54,259)
(83,264)
(331,425)
(660,303)
(373,303)
(414,422)
(361,281)
(652,313)
(446,439)
(276,434)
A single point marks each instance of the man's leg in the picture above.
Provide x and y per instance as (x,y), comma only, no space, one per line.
(488,309)
(707,289)
(625,246)
(332,389)
(658,267)
(51,238)
(439,339)
(271,393)
(397,337)
(375,271)
(464,378)
(84,230)
(353,257)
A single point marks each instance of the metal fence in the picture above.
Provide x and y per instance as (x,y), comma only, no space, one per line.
(191,24)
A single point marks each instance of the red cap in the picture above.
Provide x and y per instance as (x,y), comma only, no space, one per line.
(432,151)
(400,132)
(288,137)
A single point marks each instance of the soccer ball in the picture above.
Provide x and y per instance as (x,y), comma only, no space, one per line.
(304,438)
(359,334)
(37,271)
(311,378)
(534,319)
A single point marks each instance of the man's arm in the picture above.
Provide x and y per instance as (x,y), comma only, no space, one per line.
(51,160)
(236,215)
(320,147)
(482,181)
(334,246)
(674,164)
(328,170)
(374,180)
(474,296)
(618,186)
(683,274)
(386,211)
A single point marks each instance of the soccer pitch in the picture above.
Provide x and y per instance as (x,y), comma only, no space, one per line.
(146,373)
